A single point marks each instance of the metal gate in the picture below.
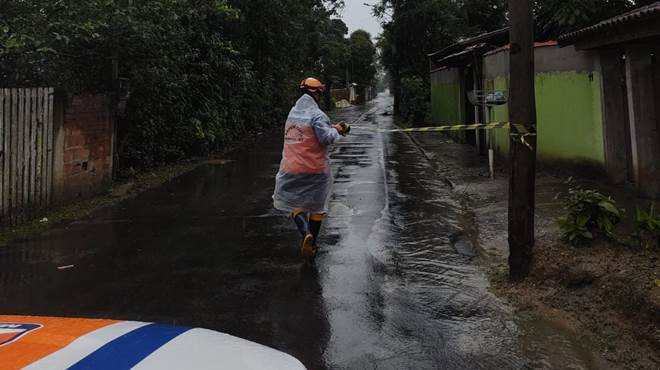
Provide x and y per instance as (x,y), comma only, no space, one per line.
(26,153)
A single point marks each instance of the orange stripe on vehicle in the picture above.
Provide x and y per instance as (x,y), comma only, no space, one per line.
(55,334)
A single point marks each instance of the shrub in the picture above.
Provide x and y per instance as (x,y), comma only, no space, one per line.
(588,214)
(647,226)
(414,104)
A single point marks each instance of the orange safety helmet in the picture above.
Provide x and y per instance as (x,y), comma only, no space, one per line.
(312,85)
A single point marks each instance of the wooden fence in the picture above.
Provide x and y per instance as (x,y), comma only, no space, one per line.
(26,153)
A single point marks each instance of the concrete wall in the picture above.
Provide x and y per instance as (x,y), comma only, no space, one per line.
(339,94)
(569,109)
(87,146)
(643,83)
(568,98)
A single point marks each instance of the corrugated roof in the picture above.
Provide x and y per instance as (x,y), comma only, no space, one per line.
(537,45)
(637,15)
(465,53)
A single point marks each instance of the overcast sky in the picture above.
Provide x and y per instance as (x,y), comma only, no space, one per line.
(358,16)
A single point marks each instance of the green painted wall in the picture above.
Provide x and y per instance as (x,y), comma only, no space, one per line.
(445,103)
(569,117)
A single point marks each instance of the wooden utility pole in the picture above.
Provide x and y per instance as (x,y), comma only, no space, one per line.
(522,111)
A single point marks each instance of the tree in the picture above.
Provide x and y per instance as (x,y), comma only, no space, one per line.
(334,56)
(363,58)
(335,53)
(411,30)
(555,17)
(483,15)
(414,28)
(203,72)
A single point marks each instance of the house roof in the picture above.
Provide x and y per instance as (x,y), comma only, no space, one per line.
(638,15)
(537,45)
(466,54)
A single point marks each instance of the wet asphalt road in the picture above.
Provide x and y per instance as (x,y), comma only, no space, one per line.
(394,286)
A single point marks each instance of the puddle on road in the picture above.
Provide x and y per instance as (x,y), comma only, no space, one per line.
(396,288)
(402,288)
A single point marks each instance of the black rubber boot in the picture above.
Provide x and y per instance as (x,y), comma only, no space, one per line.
(314,228)
(300,218)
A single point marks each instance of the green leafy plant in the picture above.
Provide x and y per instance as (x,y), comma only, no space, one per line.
(588,215)
(647,226)
(414,100)
(204,74)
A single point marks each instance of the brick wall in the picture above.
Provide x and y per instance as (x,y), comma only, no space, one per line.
(339,94)
(87,146)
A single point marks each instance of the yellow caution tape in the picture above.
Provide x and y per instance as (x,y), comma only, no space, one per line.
(520,130)
(447,128)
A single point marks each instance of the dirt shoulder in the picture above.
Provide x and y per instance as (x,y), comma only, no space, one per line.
(607,295)
(120,191)
(83,208)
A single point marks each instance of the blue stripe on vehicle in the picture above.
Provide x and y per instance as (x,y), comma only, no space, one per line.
(128,350)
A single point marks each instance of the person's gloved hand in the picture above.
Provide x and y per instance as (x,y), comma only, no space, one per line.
(343,128)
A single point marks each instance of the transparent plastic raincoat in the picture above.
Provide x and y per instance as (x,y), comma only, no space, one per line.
(305,177)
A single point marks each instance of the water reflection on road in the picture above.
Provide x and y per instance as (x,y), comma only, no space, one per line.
(394,287)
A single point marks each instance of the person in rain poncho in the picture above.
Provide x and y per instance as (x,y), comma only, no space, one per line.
(303,182)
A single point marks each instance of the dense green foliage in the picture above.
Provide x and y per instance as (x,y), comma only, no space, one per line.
(352,58)
(363,58)
(412,29)
(413,104)
(647,226)
(203,73)
(335,54)
(588,214)
(555,17)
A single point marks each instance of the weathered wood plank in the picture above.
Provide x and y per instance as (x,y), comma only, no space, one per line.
(12,150)
(37,126)
(39,144)
(49,138)
(13,117)
(25,109)
(26,154)
(21,154)
(44,154)
(6,170)
(15,155)
(2,156)
(18,152)
(33,151)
